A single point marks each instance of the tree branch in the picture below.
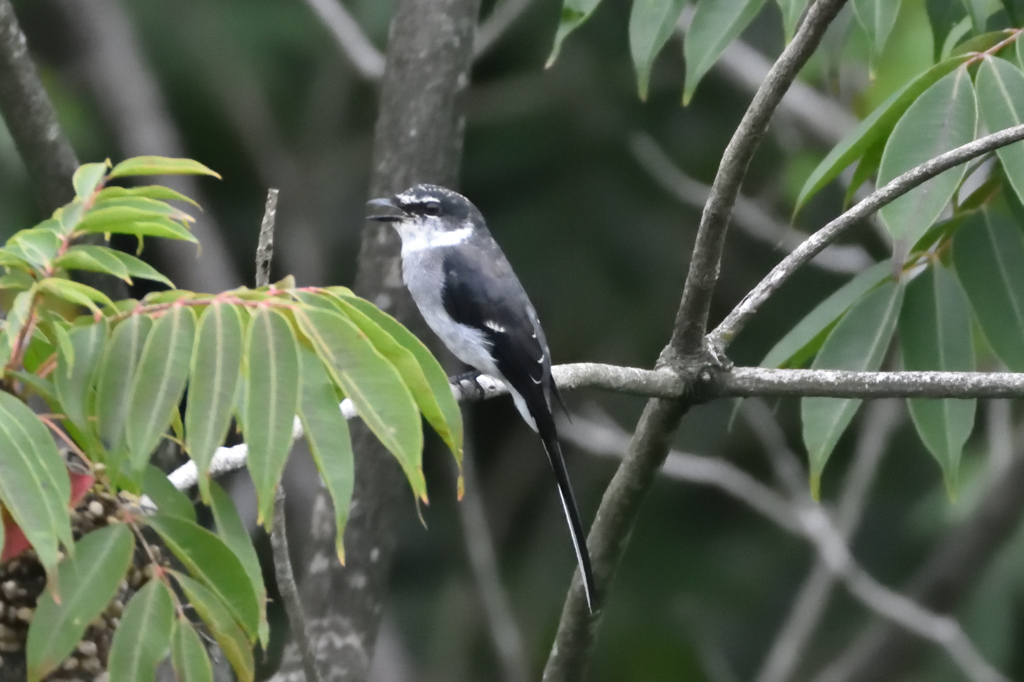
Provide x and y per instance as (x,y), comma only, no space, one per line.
(835,383)
(691,319)
(741,314)
(363,55)
(31,118)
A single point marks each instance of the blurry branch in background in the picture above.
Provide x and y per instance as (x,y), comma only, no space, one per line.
(753,219)
(367,60)
(739,316)
(127,95)
(31,118)
(500,19)
(283,573)
(504,632)
(881,420)
(797,515)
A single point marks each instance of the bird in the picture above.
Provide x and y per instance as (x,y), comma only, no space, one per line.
(470,297)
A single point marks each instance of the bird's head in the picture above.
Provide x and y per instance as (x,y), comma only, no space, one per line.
(428,212)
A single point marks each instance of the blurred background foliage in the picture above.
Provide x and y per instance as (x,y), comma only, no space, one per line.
(259,91)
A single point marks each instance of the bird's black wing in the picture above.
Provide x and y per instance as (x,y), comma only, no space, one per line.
(492,301)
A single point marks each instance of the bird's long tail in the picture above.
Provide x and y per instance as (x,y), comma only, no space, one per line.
(549,436)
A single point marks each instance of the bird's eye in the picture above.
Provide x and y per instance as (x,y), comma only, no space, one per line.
(432,208)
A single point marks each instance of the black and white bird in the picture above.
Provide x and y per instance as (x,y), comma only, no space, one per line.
(468,294)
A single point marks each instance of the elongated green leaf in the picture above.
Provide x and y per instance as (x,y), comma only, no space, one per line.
(212,563)
(943,15)
(159,165)
(34,483)
(435,401)
(157,226)
(216,364)
(88,581)
(574,13)
(87,178)
(1001,100)
(93,259)
(876,17)
(804,340)
(989,258)
(380,396)
(791,11)
(117,372)
(141,641)
(159,382)
(328,437)
(978,11)
(75,292)
(75,375)
(651,24)
(146,204)
(168,499)
(858,342)
(716,23)
(222,625)
(873,130)
(17,317)
(271,402)
(944,117)
(232,531)
(10,260)
(140,268)
(38,246)
(147,191)
(935,334)
(188,655)
(16,280)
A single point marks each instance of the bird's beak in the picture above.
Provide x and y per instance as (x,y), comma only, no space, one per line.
(385,203)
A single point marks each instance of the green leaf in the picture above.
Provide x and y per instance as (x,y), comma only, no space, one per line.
(935,334)
(168,499)
(212,563)
(155,226)
(141,640)
(858,342)
(189,659)
(943,118)
(149,206)
(93,259)
(140,268)
(160,165)
(791,12)
(574,13)
(159,382)
(943,15)
(873,130)
(87,178)
(38,246)
(328,437)
(381,398)
(865,170)
(216,364)
(88,581)
(34,483)
(75,292)
(716,23)
(651,24)
(17,280)
(989,259)
(433,394)
(117,372)
(271,402)
(17,317)
(76,373)
(1001,101)
(148,191)
(232,531)
(222,626)
(876,17)
(804,340)
(978,10)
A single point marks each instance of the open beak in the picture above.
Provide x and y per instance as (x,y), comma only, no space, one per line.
(385,204)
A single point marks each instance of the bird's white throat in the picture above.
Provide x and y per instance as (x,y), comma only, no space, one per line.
(418,236)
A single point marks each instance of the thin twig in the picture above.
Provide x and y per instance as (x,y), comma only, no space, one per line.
(265,247)
(496,24)
(289,590)
(364,55)
(740,315)
(691,318)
